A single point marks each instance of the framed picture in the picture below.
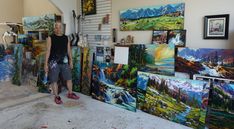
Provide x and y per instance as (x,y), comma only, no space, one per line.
(159,37)
(216,26)
(88,7)
(177,37)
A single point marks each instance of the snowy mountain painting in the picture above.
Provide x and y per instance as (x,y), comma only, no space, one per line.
(221,106)
(209,62)
(165,17)
(180,100)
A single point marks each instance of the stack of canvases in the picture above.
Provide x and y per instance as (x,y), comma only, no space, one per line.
(11,63)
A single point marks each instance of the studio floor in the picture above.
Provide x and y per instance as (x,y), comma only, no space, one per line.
(86,113)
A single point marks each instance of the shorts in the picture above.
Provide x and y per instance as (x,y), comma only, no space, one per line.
(56,69)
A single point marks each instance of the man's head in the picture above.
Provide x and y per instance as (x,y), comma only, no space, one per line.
(58,28)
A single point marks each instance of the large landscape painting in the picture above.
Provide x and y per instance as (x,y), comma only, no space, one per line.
(179,100)
(209,62)
(165,17)
(115,84)
(221,106)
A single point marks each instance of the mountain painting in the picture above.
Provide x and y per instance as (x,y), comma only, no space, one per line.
(76,71)
(159,37)
(221,106)
(37,23)
(142,79)
(179,100)
(165,17)
(204,61)
(115,84)
(10,63)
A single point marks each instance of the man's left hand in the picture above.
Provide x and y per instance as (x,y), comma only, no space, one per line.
(71,65)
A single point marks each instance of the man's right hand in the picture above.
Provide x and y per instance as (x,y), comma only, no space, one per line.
(46,68)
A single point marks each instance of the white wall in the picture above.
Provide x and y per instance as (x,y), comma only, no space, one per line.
(10,11)
(195,10)
(66,6)
(39,7)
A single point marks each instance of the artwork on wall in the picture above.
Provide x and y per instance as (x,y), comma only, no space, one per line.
(180,100)
(10,62)
(216,26)
(159,37)
(100,51)
(177,37)
(165,17)
(86,71)
(88,7)
(204,61)
(115,84)
(76,71)
(39,23)
(121,55)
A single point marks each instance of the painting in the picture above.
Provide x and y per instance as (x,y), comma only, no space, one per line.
(221,106)
(39,23)
(216,26)
(76,71)
(86,71)
(10,62)
(142,79)
(115,84)
(100,51)
(179,100)
(165,17)
(205,61)
(177,37)
(88,7)
(159,37)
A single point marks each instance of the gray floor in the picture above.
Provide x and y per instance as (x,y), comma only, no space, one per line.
(85,113)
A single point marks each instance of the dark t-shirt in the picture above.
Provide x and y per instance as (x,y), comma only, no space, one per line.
(58,50)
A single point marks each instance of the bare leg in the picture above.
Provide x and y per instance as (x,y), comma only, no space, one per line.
(55,88)
(69,86)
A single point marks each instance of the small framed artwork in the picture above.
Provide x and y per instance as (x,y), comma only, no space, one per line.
(88,7)
(216,26)
(159,37)
(100,51)
(177,37)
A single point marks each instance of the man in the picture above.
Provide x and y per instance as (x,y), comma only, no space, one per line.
(59,60)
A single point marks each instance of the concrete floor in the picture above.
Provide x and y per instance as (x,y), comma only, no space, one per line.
(85,113)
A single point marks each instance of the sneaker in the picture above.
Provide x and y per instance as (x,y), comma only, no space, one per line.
(72,96)
(58,100)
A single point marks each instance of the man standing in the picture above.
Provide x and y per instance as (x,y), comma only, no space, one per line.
(59,60)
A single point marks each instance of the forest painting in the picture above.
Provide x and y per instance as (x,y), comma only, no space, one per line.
(86,71)
(180,100)
(221,106)
(204,61)
(115,84)
(153,58)
(76,71)
(10,63)
(165,17)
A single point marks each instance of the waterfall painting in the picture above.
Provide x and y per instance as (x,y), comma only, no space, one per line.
(115,84)
(10,63)
(86,71)
(205,61)
(179,100)
(159,37)
(76,71)
(177,37)
(221,106)
(164,17)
